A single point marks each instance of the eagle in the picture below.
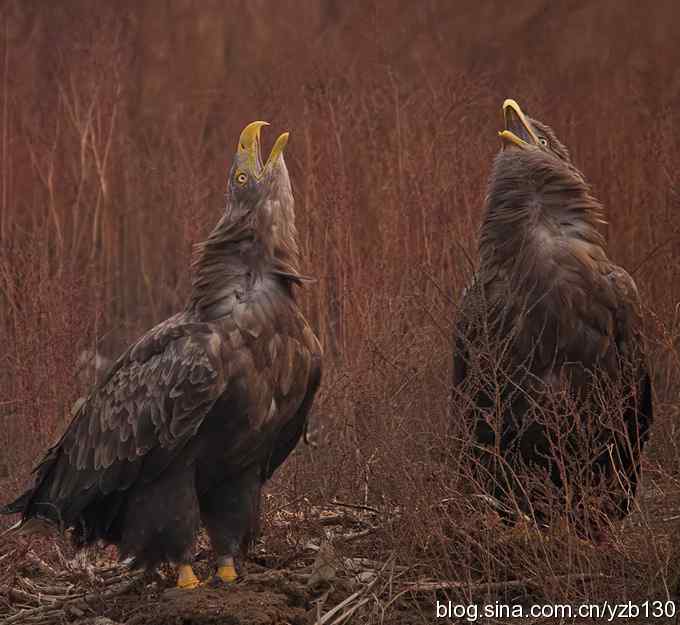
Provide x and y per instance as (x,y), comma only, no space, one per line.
(549,365)
(191,421)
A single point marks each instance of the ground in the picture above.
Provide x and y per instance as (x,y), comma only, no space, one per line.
(45,581)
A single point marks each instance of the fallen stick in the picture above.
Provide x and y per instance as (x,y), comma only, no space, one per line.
(428,586)
(7,555)
(79,601)
(365,564)
(22,595)
(356,535)
(40,590)
(355,506)
(41,564)
(127,576)
(327,617)
(345,615)
(336,519)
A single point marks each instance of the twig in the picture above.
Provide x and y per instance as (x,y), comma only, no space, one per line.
(326,617)
(654,252)
(428,586)
(345,615)
(290,503)
(7,555)
(125,576)
(78,601)
(356,535)
(356,506)
(335,519)
(331,613)
(41,564)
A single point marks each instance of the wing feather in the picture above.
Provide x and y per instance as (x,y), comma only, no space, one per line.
(637,391)
(262,359)
(152,402)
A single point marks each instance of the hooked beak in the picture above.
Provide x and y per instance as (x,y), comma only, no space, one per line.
(518,131)
(249,146)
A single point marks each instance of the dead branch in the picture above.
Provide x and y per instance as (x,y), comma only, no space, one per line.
(60,607)
(358,595)
(533,582)
(355,506)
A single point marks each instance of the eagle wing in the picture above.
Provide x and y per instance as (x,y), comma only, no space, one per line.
(472,332)
(284,367)
(469,344)
(261,358)
(615,326)
(291,433)
(637,386)
(464,332)
(152,401)
(630,345)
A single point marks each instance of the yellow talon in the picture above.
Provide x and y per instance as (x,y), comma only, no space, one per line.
(187,578)
(227,573)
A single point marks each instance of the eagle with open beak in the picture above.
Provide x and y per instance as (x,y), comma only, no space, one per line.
(549,340)
(190,422)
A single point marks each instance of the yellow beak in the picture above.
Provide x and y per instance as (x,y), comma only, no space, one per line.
(249,146)
(515,118)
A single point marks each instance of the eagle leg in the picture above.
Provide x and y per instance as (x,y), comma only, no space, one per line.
(226,570)
(230,513)
(187,578)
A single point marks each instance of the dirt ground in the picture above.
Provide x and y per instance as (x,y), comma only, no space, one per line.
(247,603)
(89,589)
(44,581)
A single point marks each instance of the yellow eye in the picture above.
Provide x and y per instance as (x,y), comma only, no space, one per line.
(241,178)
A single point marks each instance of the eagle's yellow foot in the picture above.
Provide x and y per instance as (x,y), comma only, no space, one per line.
(226,571)
(187,578)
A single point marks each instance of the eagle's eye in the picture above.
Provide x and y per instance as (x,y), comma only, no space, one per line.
(543,141)
(241,178)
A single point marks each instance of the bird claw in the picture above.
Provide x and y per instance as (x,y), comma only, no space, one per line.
(225,575)
(187,579)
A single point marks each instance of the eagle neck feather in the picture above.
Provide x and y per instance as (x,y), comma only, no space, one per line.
(539,211)
(244,247)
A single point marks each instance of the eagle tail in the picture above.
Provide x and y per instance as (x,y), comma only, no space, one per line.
(18,505)
(30,527)
(25,526)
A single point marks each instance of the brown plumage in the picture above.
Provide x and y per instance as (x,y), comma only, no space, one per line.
(194,417)
(551,329)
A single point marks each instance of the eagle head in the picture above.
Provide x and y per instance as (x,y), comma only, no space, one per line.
(251,182)
(524,133)
(261,190)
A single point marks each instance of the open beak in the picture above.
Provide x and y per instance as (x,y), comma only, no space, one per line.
(518,131)
(249,146)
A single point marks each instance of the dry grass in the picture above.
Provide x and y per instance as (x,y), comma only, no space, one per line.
(102,195)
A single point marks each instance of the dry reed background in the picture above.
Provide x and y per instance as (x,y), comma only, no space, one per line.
(117,125)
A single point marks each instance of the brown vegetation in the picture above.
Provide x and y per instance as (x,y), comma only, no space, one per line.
(116,129)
